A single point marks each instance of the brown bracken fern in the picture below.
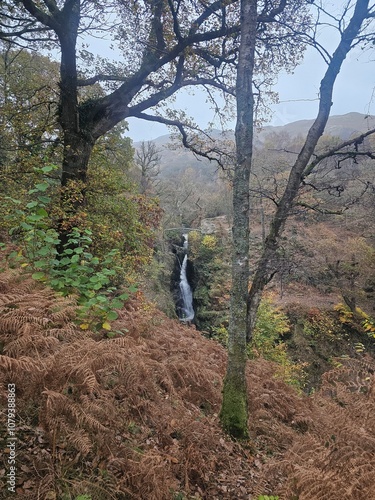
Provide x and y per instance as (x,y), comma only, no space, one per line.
(333,454)
(136,416)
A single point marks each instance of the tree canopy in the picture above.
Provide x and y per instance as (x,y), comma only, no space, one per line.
(232,47)
(161,48)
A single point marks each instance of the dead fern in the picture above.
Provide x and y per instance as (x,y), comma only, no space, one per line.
(335,456)
(144,407)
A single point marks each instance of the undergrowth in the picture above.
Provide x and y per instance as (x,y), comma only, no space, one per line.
(136,416)
(74,270)
(357,319)
(267,342)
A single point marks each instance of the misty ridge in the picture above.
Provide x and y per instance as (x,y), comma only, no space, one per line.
(175,158)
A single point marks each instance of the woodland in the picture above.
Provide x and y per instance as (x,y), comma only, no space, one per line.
(107,391)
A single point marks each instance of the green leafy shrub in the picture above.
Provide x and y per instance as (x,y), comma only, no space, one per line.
(75,270)
(271,325)
(211,281)
(220,334)
(116,214)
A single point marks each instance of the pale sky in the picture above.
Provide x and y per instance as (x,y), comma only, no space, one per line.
(298,93)
(354,88)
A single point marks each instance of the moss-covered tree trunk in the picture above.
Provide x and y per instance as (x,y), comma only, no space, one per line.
(234,412)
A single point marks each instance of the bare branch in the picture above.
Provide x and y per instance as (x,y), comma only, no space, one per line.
(100,78)
(336,150)
(212,154)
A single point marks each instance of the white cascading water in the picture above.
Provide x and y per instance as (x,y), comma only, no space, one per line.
(187,310)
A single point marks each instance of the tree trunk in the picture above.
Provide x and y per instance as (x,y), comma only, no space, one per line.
(234,411)
(77,140)
(77,152)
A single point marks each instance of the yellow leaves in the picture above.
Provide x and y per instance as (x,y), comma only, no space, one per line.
(369,326)
(209,241)
(106,326)
(359,347)
(345,315)
(195,238)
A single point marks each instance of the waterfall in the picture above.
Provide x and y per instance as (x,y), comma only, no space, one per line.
(186,311)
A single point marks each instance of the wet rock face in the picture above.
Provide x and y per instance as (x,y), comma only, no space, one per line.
(213,225)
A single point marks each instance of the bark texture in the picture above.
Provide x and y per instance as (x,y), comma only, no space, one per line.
(234,413)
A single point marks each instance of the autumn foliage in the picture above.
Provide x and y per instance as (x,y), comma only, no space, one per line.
(135,416)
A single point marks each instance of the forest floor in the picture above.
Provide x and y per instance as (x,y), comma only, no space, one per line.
(295,293)
(135,416)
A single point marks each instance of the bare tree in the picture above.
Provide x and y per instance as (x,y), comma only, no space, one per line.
(148,158)
(304,164)
(244,305)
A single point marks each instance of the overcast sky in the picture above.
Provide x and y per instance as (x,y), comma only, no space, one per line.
(298,93)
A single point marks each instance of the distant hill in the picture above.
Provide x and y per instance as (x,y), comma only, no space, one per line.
(342,126)
(176,159)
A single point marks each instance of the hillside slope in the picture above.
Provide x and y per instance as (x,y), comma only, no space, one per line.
(136,416)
